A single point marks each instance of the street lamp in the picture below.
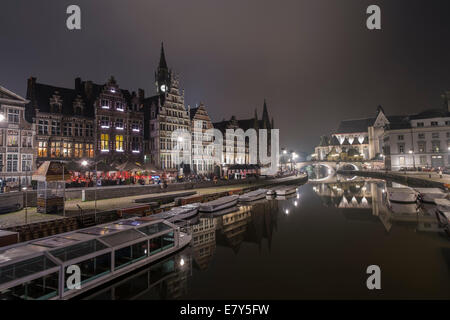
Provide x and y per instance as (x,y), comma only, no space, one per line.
(84,163)
(414,160)
(26,204)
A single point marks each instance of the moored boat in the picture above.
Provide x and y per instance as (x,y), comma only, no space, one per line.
(430,194)
(402,195)
(37,269)
(285,190)
(443,217)
(175,214)
(442,204)
(219,204)
(253,195)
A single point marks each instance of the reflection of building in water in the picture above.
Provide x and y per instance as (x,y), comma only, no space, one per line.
(370,198)
(163,280)
(345,194)
(203,242)
(251,223)
(233,226)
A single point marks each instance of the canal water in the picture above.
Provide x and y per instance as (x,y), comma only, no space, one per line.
(316,244)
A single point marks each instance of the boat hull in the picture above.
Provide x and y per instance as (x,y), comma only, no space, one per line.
(215,205)
(402,196)
(253,196)
(428,195)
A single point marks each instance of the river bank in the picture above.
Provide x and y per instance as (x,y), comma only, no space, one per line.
(413,179)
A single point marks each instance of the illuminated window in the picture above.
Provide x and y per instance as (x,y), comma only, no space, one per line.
(78,150)
(55,149)
(13,138)
(67,150)
(104,142)
(119,143)
(90,150)
(42,149)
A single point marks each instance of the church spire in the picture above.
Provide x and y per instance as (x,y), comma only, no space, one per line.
(265,116)
(162,59)
(163,75)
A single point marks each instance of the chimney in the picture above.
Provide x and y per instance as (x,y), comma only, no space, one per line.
(141,94)
(88,89)
(31,85)
(78,84)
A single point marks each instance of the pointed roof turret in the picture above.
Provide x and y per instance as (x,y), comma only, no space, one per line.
(265,116)
(162,58)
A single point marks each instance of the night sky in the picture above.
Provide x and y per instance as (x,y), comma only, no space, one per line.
(313,60)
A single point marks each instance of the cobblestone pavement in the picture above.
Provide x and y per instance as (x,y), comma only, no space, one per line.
(18,217)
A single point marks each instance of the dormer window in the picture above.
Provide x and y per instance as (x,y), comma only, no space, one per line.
(55,108)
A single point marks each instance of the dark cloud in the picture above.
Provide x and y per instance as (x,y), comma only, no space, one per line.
(313,60)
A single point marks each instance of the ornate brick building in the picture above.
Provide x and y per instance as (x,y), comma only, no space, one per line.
(164,113)
(89,121)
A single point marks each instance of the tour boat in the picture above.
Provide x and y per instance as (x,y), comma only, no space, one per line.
(285,190)
(253,195)
(46,269)
(219,204)
(402,195)
(430,194)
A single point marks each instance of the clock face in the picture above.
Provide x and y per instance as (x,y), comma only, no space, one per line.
(163,88)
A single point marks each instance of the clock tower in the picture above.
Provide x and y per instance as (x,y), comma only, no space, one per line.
(163,74)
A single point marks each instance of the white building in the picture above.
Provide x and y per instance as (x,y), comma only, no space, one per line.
(17,136)
(202,146)
(421,141)
(362,136)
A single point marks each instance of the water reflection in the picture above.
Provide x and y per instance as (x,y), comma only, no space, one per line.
(368,194)
(314,244)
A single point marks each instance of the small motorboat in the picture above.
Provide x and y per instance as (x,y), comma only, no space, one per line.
(176,214)
(443,217)
(402,195)
(404,208)
(286,197)
(285,190)
(221,212)
(442,204)
(430,194)
(270,192)
(219,204)
(253,195)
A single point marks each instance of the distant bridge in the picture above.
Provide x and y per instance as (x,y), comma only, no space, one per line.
(332,166)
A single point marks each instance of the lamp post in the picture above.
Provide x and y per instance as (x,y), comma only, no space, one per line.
(2,119)
(26,204)
(84,163)
(414,160)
